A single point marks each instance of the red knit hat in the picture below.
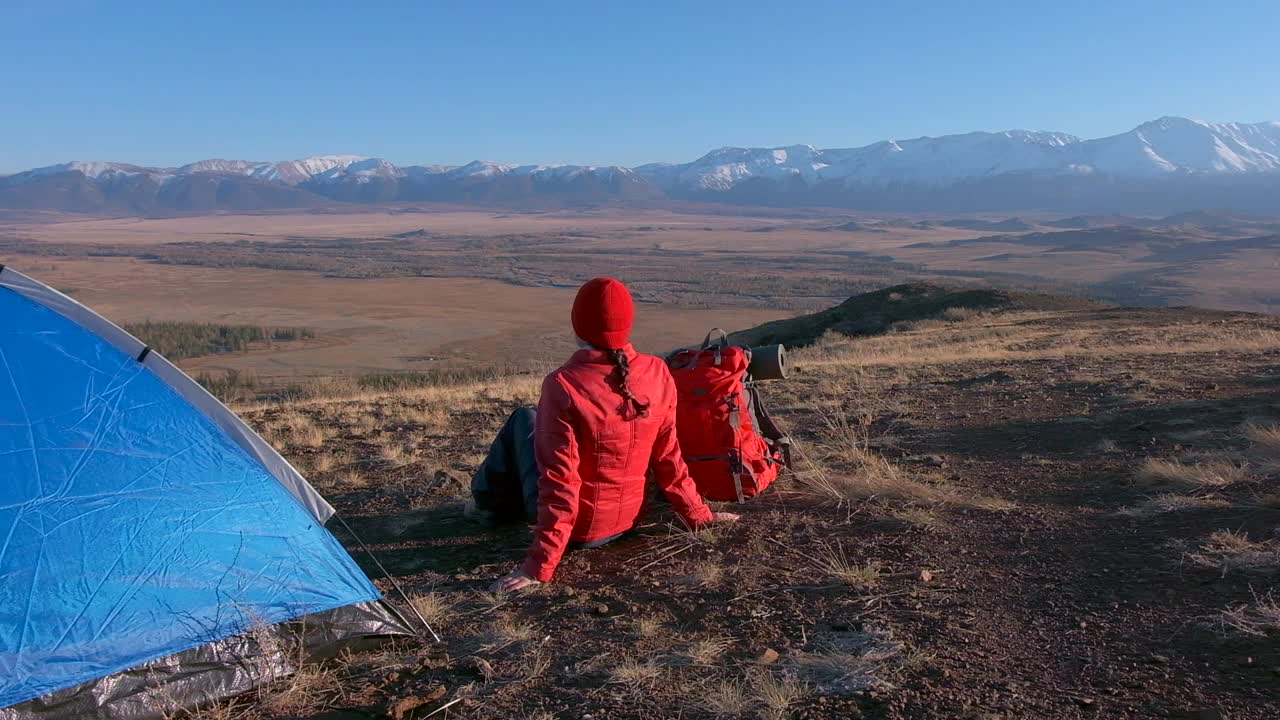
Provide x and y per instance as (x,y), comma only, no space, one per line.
(603,313)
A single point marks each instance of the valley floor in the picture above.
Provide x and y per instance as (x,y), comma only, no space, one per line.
(1043,515)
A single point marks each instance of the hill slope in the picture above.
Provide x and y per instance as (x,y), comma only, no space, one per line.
(875,312)
(1053,514)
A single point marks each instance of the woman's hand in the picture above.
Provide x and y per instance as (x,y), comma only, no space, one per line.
(724,517)
(515,581)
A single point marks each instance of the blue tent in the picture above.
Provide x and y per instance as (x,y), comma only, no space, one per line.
(147,535)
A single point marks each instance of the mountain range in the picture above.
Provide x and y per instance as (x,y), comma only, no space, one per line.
(1164,166)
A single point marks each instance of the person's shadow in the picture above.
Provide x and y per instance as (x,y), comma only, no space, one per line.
(437,540)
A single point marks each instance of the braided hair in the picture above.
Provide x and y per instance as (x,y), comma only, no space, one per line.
(622,369)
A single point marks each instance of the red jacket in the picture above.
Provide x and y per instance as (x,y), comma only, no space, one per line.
(593,462)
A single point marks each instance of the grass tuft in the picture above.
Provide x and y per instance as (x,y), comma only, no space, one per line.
(775,694)
(436,608)
(1199,477)
(635,673)
(1257,619)
(727,698)
(832,560)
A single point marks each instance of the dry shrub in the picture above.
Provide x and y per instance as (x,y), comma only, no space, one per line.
(351,479)
(532,664)
(434,607)
(870,476)
(1266,447)
(393,453)
(1226,550)
(919,517)
(707,573)
(832,561)
(649,626)
(233,710)
(1200,477)
(727,698)
(430,417)
(959,314)
(1029,336)
(308,690)
(707,651)
(508,631)
(1257,619)
(1169,502)
(775,694)
(635,673)
(322,462)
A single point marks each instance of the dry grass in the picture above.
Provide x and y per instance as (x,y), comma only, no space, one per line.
(924,518)
(1029,336)
(1260,618)
(1265,448)
(532,665)
(959,314)
(434,607)
(1169,502)
(727,698)
(649,626)
(231,710)
(395,454)
(507,631)
(707,651)
(308,690)
(351,479)
(834,562)
(322,462)
(1226,550)
(1197,477)
(635,673)
(775,694)
(706,573)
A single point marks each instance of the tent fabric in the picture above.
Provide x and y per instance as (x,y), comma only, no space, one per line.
(124,342)
(158,688)
(132,525)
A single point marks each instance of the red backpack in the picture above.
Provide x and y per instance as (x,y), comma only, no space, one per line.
(719,421)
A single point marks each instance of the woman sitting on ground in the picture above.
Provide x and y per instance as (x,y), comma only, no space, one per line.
(606,418)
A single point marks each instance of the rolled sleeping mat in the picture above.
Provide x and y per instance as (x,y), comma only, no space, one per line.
(768,362)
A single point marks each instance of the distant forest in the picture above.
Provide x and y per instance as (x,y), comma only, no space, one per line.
(180,340)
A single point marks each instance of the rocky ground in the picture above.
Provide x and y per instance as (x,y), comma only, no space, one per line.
(1032,514)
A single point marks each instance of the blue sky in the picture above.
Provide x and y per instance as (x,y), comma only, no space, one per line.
(604,82)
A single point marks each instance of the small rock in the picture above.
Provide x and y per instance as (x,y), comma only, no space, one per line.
(926,576)
(1159,659)
(601,609)
(768,657)
(1085,702)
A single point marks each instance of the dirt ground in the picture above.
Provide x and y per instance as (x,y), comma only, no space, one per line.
(978,527)
(695,256)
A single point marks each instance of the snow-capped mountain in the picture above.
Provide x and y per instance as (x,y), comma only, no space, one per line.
(1167,165)
(1163,147)
(289,172)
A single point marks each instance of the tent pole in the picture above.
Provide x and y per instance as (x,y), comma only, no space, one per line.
(388,576)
